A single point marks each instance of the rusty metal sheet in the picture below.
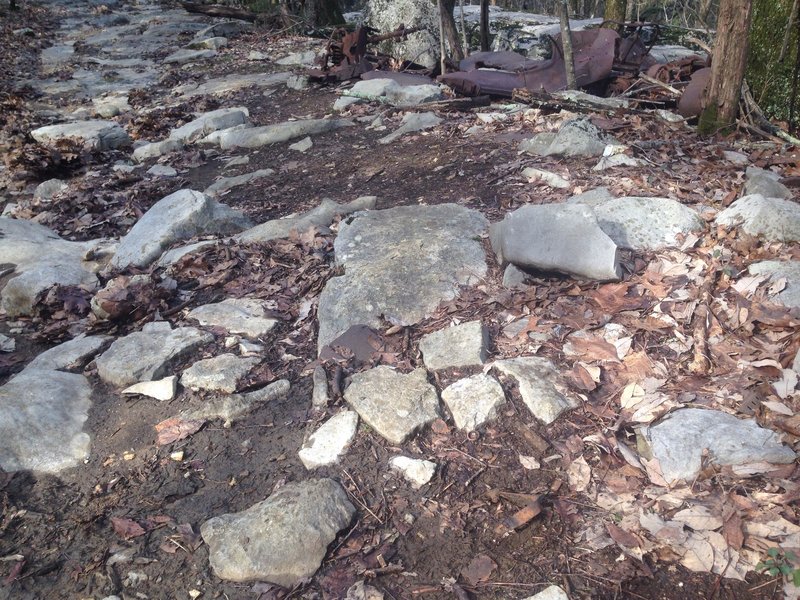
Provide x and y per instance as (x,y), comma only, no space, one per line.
(690,103)
(505,61)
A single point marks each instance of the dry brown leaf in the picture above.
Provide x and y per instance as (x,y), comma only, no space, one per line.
(174,429)
(479,570)
(579,474)
(126,528)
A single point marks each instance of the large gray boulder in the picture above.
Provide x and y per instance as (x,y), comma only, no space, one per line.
(148,354)
(94,135)
(557,237)
(42,413)
(683,438)
(179,216)
(282,539)
(256,137)
(400,264)
(774,219)
(72,354)
(393,404)
(421,47)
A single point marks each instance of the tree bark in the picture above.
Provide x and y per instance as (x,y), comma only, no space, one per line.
(319,13)
(447,7)
(615,11)
(566,43)
(721,98)
(484,25)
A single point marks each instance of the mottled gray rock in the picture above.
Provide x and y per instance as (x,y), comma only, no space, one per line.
(319,393)
(617,160)
(766,183)
(170,257)
(225,184)
(592,198)
(577,137)
(282,539)
(148,354)
(245,316)
(682,439)
(71,355)
(94,135)
(47,189)
(414,470)
(179,216)
(540,385)
(161,389)
(186,55)
(514,277)
(421,47)
(162,171)
(412,121)
(20,294)
(219,373)
(647,223)
(232,83)
(781,269)
(156,149)
(256,137)
(344,102)
(557,237)
(28,244)
(305,59)
(395,93)
(775,219)
(552,179)
(393,404)
(206,123)
(736,158)
(320,217)
(297,82)
(330,441)
(42,413)
(591,99)
(551,593)
(213,138)
(400,264)
(231,407)
(212,43)
(461,345)
(473,401)
(303,145)
(111,105)
(7,343)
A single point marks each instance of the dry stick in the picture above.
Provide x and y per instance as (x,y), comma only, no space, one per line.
(701,363)
(566,42)
(661,84)
(441,35)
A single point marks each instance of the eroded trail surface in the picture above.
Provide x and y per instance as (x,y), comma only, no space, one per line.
(263,338)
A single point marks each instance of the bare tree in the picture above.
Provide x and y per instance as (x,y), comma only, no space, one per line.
(566,43)
(721,98)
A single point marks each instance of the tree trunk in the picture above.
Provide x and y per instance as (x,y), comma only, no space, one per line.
(450,30)
(721,98)
(615,11)
(484,25)
(319,13)
(566,43)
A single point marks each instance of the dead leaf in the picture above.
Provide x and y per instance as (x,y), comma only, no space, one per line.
(174,429)
(127,528)
(622,537)
(786,384)
(579,474)
(698,518)
(479,570)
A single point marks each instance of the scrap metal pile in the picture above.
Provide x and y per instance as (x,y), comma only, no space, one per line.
(606,64)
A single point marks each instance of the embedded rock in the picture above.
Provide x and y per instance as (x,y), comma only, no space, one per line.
(412,121)
(20,294)
(282,539)
(245,316)
(162,389)
(541,387)
(256,137)
(225,184)
(230,407)
(577,137)
(47,189)
(206,123)
(186,55)
(461,345)
(473,401)
(774,219)
(415,471)
(781,269)
(156,149)
(94,135)
(220,373)
(330,441)
(71,355)
(393,404)
(766,183)
(232,83)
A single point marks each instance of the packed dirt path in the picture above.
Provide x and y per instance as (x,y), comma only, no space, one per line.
(266,339)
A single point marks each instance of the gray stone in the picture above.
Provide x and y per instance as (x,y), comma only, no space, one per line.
(592,198)
(213,138)
(49,188)
(303,145)
(395,93)
(647,223)
(297,82)
(223,118)
(179,216)
(514,277)
(598,101)
(20,294)
(228,29)
(766,183)
(170,257)
(111,105)
(736,158)
(538,144)
(473,401)
(576,137)
(557,237)
(94,135)
(212,43)
(42,413)
(319,392)
(162,171)
(421,47)
(327,444)
(232,83)
(400,264)
(320,217)
(156,149)
(344,102)
(305,59)
(781,269)
(552,179)
(7,344)
(148,354)
(245,316)
(461,345)
(162,389)
(186,55)
(686,437)
(282,539)
(231,407)
(256,137)
(541,387)
(28,244)
(220,373)
(412,121)
(617,160)
(362,591)
(550,593)
(225,184)
(255,55)
(416,471)
(71,355)
(775,219)
(393,404)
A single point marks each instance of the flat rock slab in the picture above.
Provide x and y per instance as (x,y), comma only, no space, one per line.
(577,137)
(461,345)
(393,404)
(232,83)
(282,539)
(219,373)
(95,135)
(566,238)
(766,183)
(540,386)
(179,216)
(774,219)
(148,354)
(186,55)
(256,137)
(330,441)
(647,223)
(321,217)
(473,401)
(412,122)
(231,407)
(416,471)
(162,389)
(20,294)
(781,269)
(206,123)
(680,440)
(551,593)
(225,184)
(42,413)
(71,355)
(244,316)
(396,93)
(400,264)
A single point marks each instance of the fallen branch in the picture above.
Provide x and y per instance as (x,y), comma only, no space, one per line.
(546,101)
(214,10)
(753,111)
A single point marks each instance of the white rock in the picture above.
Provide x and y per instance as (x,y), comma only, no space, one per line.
(206,123)
(330,441)
(94,134)
(162,171)
(461,345)
(412,121)
(540,385)
(156,149)
(552,179)
(473,401)
(417,472)
(162,389)
(551,593)
(303,145)
(220,373)
(245,316)
(772,218)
